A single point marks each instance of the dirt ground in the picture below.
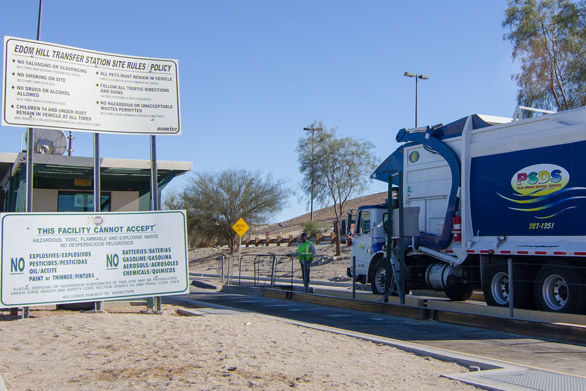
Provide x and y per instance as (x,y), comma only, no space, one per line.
(124,349)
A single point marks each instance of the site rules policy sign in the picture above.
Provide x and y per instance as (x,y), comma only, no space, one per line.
(53,86)
(55,258)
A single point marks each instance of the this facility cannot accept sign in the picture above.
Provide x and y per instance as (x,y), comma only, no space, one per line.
(50,258)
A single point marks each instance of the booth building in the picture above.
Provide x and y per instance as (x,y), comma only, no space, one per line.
(65,183)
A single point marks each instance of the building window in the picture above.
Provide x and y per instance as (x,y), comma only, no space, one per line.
(79,201)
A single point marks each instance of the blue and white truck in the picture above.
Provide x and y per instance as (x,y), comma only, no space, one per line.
(488,190)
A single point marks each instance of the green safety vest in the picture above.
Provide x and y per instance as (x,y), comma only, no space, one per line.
(303,251)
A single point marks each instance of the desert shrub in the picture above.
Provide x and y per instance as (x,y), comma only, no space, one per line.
(311,228)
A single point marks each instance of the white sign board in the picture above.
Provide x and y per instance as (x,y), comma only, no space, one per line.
(61,87)
(55,258)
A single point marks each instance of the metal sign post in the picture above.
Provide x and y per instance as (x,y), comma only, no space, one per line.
(98,305)
(239,258)
(29,155)
(395,279)
(155,203)
(402,268)
(240,227)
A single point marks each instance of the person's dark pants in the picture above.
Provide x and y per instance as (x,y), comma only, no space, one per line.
(305,271)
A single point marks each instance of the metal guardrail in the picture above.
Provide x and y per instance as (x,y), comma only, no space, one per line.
(263,267)
(291,240)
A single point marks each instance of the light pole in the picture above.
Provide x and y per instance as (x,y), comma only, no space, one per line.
(312,130)
(416,76)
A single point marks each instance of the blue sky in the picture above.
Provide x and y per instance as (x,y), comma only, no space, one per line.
(253,73)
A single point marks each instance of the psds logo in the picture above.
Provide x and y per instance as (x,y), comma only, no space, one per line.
(538,190)
(540,179)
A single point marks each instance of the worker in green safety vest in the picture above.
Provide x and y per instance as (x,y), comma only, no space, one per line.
(306,252)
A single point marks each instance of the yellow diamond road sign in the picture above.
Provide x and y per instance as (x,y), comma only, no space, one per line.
(240,227)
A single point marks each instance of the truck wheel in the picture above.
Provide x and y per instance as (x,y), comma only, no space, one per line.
(378,277)
(460,293)
(496,286)
(560,288)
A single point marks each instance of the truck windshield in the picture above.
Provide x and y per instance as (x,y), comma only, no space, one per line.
(364,222)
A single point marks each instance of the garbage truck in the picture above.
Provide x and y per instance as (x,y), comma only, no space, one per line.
(493,204)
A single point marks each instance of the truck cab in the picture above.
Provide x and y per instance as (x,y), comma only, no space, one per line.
(368,242)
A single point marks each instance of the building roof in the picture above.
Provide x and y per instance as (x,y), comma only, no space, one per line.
(76,166)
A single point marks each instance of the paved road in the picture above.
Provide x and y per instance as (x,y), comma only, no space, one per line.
(539,354)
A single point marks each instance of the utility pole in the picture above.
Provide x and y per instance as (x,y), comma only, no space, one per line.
(416,76)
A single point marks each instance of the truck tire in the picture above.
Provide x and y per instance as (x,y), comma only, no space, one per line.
(378,277)
(561,287)
(496,286)
(460,293)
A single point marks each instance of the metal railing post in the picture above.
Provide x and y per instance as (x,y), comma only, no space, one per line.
(273,271)
(292,262)
(255,270)
(354,277)
(511,290)
(222,277)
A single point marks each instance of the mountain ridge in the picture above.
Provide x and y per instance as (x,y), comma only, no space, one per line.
(325,217)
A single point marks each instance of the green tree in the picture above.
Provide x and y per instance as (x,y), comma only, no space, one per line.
(549,39)
(338,168)
(215,201)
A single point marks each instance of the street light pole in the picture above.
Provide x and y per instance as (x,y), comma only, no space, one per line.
(416,76)
(312,130)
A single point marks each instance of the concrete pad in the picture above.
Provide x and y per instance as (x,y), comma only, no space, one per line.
(525,379)
(242,290)
(503,312)
(563,332)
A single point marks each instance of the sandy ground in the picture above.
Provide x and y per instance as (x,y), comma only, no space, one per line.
(125,349)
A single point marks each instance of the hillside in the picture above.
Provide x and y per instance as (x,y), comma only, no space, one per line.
(325,217)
